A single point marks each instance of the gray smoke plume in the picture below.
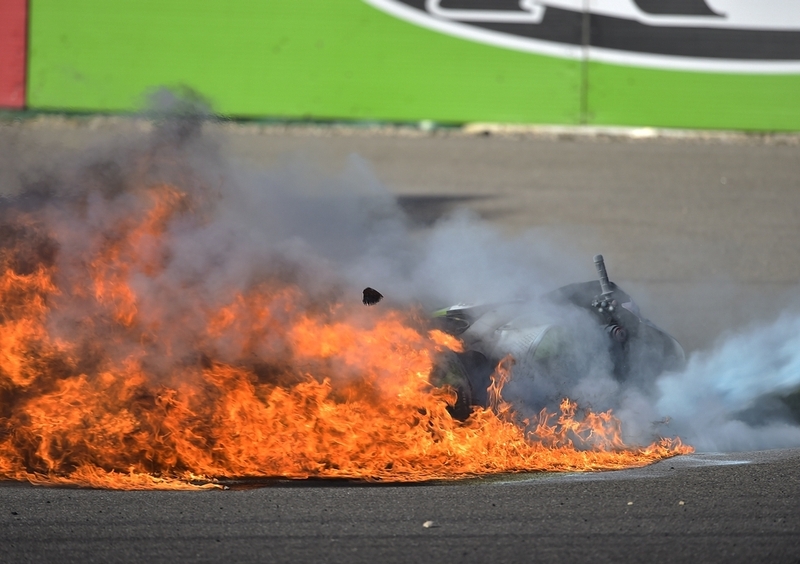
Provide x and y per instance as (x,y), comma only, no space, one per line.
(730,398)
(742,394)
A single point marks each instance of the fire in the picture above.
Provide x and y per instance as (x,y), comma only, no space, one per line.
(115,372)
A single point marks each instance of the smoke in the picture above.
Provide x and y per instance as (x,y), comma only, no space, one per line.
(729,398)
(333,236)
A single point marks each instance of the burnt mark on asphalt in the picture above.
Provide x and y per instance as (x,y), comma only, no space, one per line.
(428,209)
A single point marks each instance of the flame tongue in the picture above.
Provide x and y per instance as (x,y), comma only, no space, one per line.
(114,375)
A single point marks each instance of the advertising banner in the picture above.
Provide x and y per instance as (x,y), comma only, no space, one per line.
(682,63)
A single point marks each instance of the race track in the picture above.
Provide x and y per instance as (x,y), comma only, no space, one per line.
(703,231)
(700,508)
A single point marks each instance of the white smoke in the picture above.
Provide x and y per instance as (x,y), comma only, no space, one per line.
(727,399)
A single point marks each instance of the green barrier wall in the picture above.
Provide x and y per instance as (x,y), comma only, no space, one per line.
(344,59)
(623,95)
(322,59)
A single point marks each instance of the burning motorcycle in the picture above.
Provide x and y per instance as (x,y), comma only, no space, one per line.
(552,340)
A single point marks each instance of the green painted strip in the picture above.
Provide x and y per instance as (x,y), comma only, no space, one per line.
(621,95)
(317,58)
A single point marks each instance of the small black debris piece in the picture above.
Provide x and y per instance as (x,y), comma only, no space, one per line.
(371,296)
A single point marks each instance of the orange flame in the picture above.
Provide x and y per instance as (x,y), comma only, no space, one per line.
(103,386)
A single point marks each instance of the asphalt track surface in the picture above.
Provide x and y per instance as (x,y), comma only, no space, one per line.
(699,508)
(705,230)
